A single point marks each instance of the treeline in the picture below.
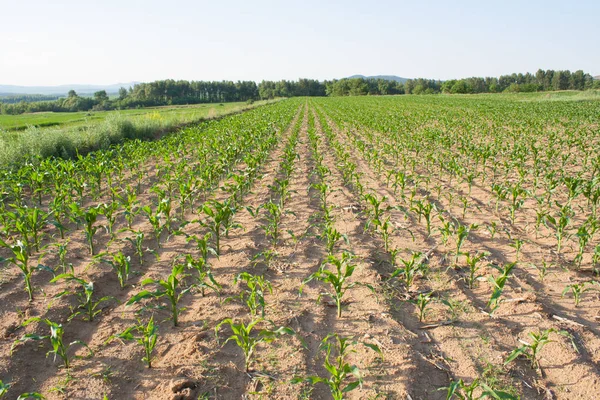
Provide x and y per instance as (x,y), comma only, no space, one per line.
(27,98)
(171,92)
(158,93)
(540,81)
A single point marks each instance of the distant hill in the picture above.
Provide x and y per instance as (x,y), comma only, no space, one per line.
(63,89)
(384,77)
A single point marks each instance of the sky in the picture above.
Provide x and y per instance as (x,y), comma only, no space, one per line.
(106,41)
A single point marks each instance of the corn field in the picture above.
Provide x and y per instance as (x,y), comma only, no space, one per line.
(412,247)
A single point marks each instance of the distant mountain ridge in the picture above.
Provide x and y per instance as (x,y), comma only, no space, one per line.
(63,89)
(384,77)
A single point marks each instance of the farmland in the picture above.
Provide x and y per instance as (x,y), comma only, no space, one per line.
(358,248)
(28,136)
(85,118)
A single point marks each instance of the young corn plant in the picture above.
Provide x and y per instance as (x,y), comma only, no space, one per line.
(204,277)
(517,244)
(472,263)
(219,220)
(169,288)
(146,335)
(532,350)
(87,306)
(338,279)
(59,348)
(61,251)
(424,209)
(560,224)
(4,389)
(332,236)
(247,340)
(460,390)
(324,190)
(90,217)
(492,229)
(35,220)
(498,286)
(386,229)
(577,290)
(409,270)
(155,220)
(17,221)
(110,213)
(583,237)
(137,241)
(272,227)
(596,260)
(340,371)
(517,199)
(253,296)
(422,301)
(461,233)
(375,210)
(121,264)
(445,230)
(130,206)
(164,208)
(57,210)
(20,258)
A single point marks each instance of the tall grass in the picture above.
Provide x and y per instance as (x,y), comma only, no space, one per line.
(571,95)
(67,142)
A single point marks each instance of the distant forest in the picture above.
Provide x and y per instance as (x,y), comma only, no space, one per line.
(171,92)
(26,98)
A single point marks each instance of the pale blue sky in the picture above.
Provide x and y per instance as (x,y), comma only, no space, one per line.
(46,42)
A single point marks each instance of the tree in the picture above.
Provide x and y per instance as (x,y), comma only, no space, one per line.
(460,87)
(122,93)
(101,96)
(71,93)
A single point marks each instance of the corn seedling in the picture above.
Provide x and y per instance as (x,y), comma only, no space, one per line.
(219,220)
(560,224)
(31,395)
(3,389)
(253,296)
(146,335)
(583,237)
(577,290)
(155,220)
(376,209)
(61,250)
(90,217)
(244,337)
(20,258)
(498,286)
(169,288)
(338,279)
(137,241)
(120,263)
(332,236)
(424,208)
(85,297)
(517,244)
(409,270)
(340,371)
(204,277)
(422,301)
(59,348)
(460,390)
(532,350)
(473,267)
